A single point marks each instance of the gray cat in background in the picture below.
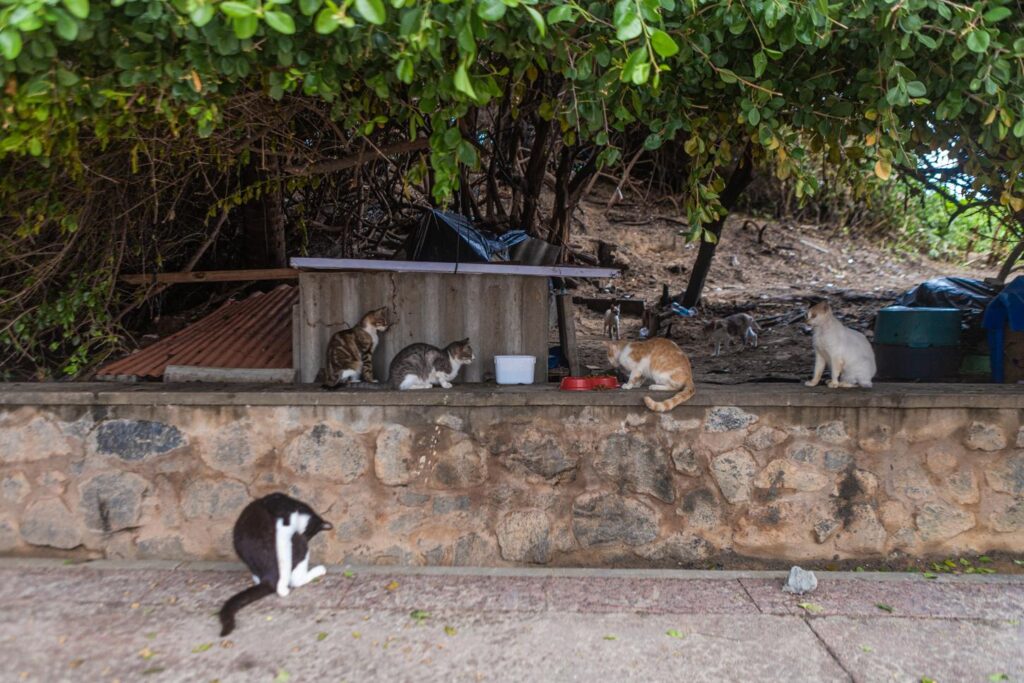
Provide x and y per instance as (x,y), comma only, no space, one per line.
(421,366)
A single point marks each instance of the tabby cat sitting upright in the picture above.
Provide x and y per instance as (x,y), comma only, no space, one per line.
(421,366)
(659,360)
(350,352)
(272,537)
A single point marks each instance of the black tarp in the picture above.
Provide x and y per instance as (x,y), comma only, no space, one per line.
(451,238)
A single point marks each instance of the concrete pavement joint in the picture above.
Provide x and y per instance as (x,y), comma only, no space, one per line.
(829,650)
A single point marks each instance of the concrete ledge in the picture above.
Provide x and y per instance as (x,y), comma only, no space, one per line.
(904,396)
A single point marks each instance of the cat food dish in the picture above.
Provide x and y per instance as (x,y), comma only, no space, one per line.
(576,384)
(514,369)
(604,382)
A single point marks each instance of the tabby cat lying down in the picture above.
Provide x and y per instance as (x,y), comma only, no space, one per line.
(421,366)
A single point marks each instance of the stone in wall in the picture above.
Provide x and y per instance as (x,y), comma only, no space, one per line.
(939,521)
(825,528)
(160,548)
(734,473)
(325,453)
(541,456)
(805,453)
(112,501)
(866,482)
(459,465)
(837,460)
(728,419)
(940,459)
(15,488)
(782,473)
(1020,437)
(28,437)
(134,440)
(985,437)
(685,460)
(833,432)
(394,462)
(599,518)
(473,550)
(877,439)
(667,423)
(523,536)
(637,465)
(8,536)
(894,516)
(862,533)
(1008,519)
(701,509)
(908,481)
(681,549)
(1007,476)
(214,499)
(48,522)
(962,487)
(231,449)
(765,437)
(444,505)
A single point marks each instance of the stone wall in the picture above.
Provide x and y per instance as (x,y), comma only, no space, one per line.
(518,477)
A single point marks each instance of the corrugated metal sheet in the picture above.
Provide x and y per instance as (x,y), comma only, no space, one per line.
(500,314)
(253,333)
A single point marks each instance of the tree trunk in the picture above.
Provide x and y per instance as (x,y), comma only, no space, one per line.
(535,176)
(739,180)
(568,192)
(263,224)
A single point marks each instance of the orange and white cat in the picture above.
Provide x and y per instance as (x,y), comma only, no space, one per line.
(659,360)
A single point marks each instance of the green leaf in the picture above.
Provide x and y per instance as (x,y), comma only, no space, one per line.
(930,575)
(67,28)
(885,608)
(674,633)
(245,27)
(916,89)
(321,636)
(663,44)
(538,20)
(202,648)
(998,677)
(404,70)
(754,116)
(491,10)
(309,7)
(760,64)
(371,10)
(927,41)
(281,22)
(811,607)
(236,10)
(419,615)
(10,44)
(461,81)
(727,76)
(996,14)
(35,147)
(326,22)
(450,630)
(978,40)
(282,676)
(202,15)
(626,20)
(80,8)
(559,14)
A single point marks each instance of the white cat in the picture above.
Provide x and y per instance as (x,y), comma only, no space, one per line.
(850,358)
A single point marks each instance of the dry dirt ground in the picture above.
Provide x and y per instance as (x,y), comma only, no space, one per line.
(773,279)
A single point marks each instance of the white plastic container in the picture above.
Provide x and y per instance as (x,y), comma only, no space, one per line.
(514,369)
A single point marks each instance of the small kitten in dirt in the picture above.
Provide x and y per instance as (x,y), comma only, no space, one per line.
(611,321)
(350,352)
(739,325)
(849,355)
(661,361)
(272,537)
(421,366)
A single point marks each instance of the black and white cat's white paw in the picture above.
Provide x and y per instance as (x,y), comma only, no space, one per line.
(316,572)
(282,587)
(445,384)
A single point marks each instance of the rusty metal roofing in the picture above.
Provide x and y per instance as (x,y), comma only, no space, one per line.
(255,332)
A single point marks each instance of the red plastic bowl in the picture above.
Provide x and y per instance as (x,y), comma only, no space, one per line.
(575,384)
(604,382)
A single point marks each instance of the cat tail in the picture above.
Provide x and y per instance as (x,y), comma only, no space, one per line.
(240,600)
(668,404)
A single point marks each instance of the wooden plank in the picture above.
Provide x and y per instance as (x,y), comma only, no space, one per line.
(567,332)
(535,325)
(631,307)
(212,276)
(196,373)
(297,339)
(452,268)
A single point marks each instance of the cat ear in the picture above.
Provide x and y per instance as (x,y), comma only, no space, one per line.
(464,342)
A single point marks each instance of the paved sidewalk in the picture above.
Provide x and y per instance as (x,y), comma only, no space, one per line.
(154,621)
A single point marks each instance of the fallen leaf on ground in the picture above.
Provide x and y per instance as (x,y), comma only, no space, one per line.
(450,630)
(227,644)
(202,648)
(609,637)
(322,635)
(929,575)
(348,573)
(419,615)
(867,648)
(391,586)
(75,663)
(882,606)
(135,605)
(357,634)
(811,607)
(153,670)
(673,633)
(283,677)
(998,677)
(146,653)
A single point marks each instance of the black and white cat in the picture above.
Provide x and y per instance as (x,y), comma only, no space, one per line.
(421,366)
(272,537)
